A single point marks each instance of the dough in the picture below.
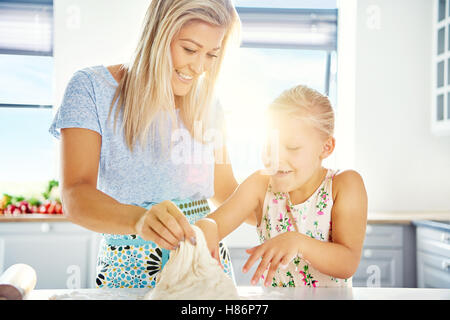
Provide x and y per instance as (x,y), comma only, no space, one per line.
(191,273)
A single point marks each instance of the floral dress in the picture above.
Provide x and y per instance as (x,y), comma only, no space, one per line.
(312,218)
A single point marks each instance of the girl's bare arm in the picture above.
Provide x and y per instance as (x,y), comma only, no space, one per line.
(243,205)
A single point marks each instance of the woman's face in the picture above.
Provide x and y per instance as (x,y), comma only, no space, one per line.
(194,50)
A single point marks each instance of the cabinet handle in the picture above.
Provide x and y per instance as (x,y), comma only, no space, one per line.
(445,237)
(45,228)
(446,265)
(367,253)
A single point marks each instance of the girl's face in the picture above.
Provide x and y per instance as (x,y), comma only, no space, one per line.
(193,51)
(301,149)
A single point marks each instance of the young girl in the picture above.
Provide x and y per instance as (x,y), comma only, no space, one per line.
(311,220)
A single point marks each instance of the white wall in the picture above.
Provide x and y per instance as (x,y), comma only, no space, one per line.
(405,167)
(91,33)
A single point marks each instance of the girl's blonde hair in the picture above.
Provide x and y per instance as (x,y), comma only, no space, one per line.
(145,88)
(308,104)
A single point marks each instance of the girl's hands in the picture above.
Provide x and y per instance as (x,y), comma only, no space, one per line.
(166,225)
(278,251)
(211,232)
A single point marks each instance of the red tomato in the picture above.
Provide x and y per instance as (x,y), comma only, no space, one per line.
(58,208)
(51,208)
(42,208)
(10,208)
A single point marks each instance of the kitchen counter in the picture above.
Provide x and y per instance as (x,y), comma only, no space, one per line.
(35,217)
(259,293)
(405,217)
(440,225)
(372,218)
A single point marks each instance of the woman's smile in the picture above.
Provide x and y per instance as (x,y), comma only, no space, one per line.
(183,77)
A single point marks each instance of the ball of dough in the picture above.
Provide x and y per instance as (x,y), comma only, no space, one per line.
(191,273)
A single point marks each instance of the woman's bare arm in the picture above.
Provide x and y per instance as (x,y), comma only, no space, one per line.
(85,205)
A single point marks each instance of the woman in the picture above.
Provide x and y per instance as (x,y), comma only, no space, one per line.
(117,127)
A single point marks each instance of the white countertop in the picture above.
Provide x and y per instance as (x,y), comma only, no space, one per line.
(259,293)
(372,217)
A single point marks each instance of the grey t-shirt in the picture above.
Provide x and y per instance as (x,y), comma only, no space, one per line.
(142,176)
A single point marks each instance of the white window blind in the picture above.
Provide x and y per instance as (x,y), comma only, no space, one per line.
(26,27)
(310,29)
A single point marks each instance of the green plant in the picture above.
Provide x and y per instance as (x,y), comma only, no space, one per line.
(51,184)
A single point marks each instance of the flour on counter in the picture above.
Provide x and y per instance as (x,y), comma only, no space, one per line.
(99,294)
(192,273)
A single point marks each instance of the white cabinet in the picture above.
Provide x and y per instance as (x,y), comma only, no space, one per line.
(433,255)
(238,258)
(2,254)
(388,257)
(63,254)
(238,241)
(379,268)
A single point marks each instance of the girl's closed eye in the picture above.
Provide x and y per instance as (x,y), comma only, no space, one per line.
(293,148)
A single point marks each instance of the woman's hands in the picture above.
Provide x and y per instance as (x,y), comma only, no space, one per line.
(166,225)
(275,252)
(211,232)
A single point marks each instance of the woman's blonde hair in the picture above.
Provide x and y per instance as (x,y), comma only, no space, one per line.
(145,88)
(307,104)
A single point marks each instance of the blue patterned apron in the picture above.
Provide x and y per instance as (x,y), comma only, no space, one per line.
(128,261)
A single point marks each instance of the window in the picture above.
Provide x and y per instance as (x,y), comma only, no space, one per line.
(440,104)
(280,48)
(26,95)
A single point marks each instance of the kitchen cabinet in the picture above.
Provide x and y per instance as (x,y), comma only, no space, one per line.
(433,254)
(2,254)
(238,259)
(63,254)
(388,257)
(241,239)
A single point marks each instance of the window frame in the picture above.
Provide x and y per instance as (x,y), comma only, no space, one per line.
(253,15)
(45,5)
(440,127)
